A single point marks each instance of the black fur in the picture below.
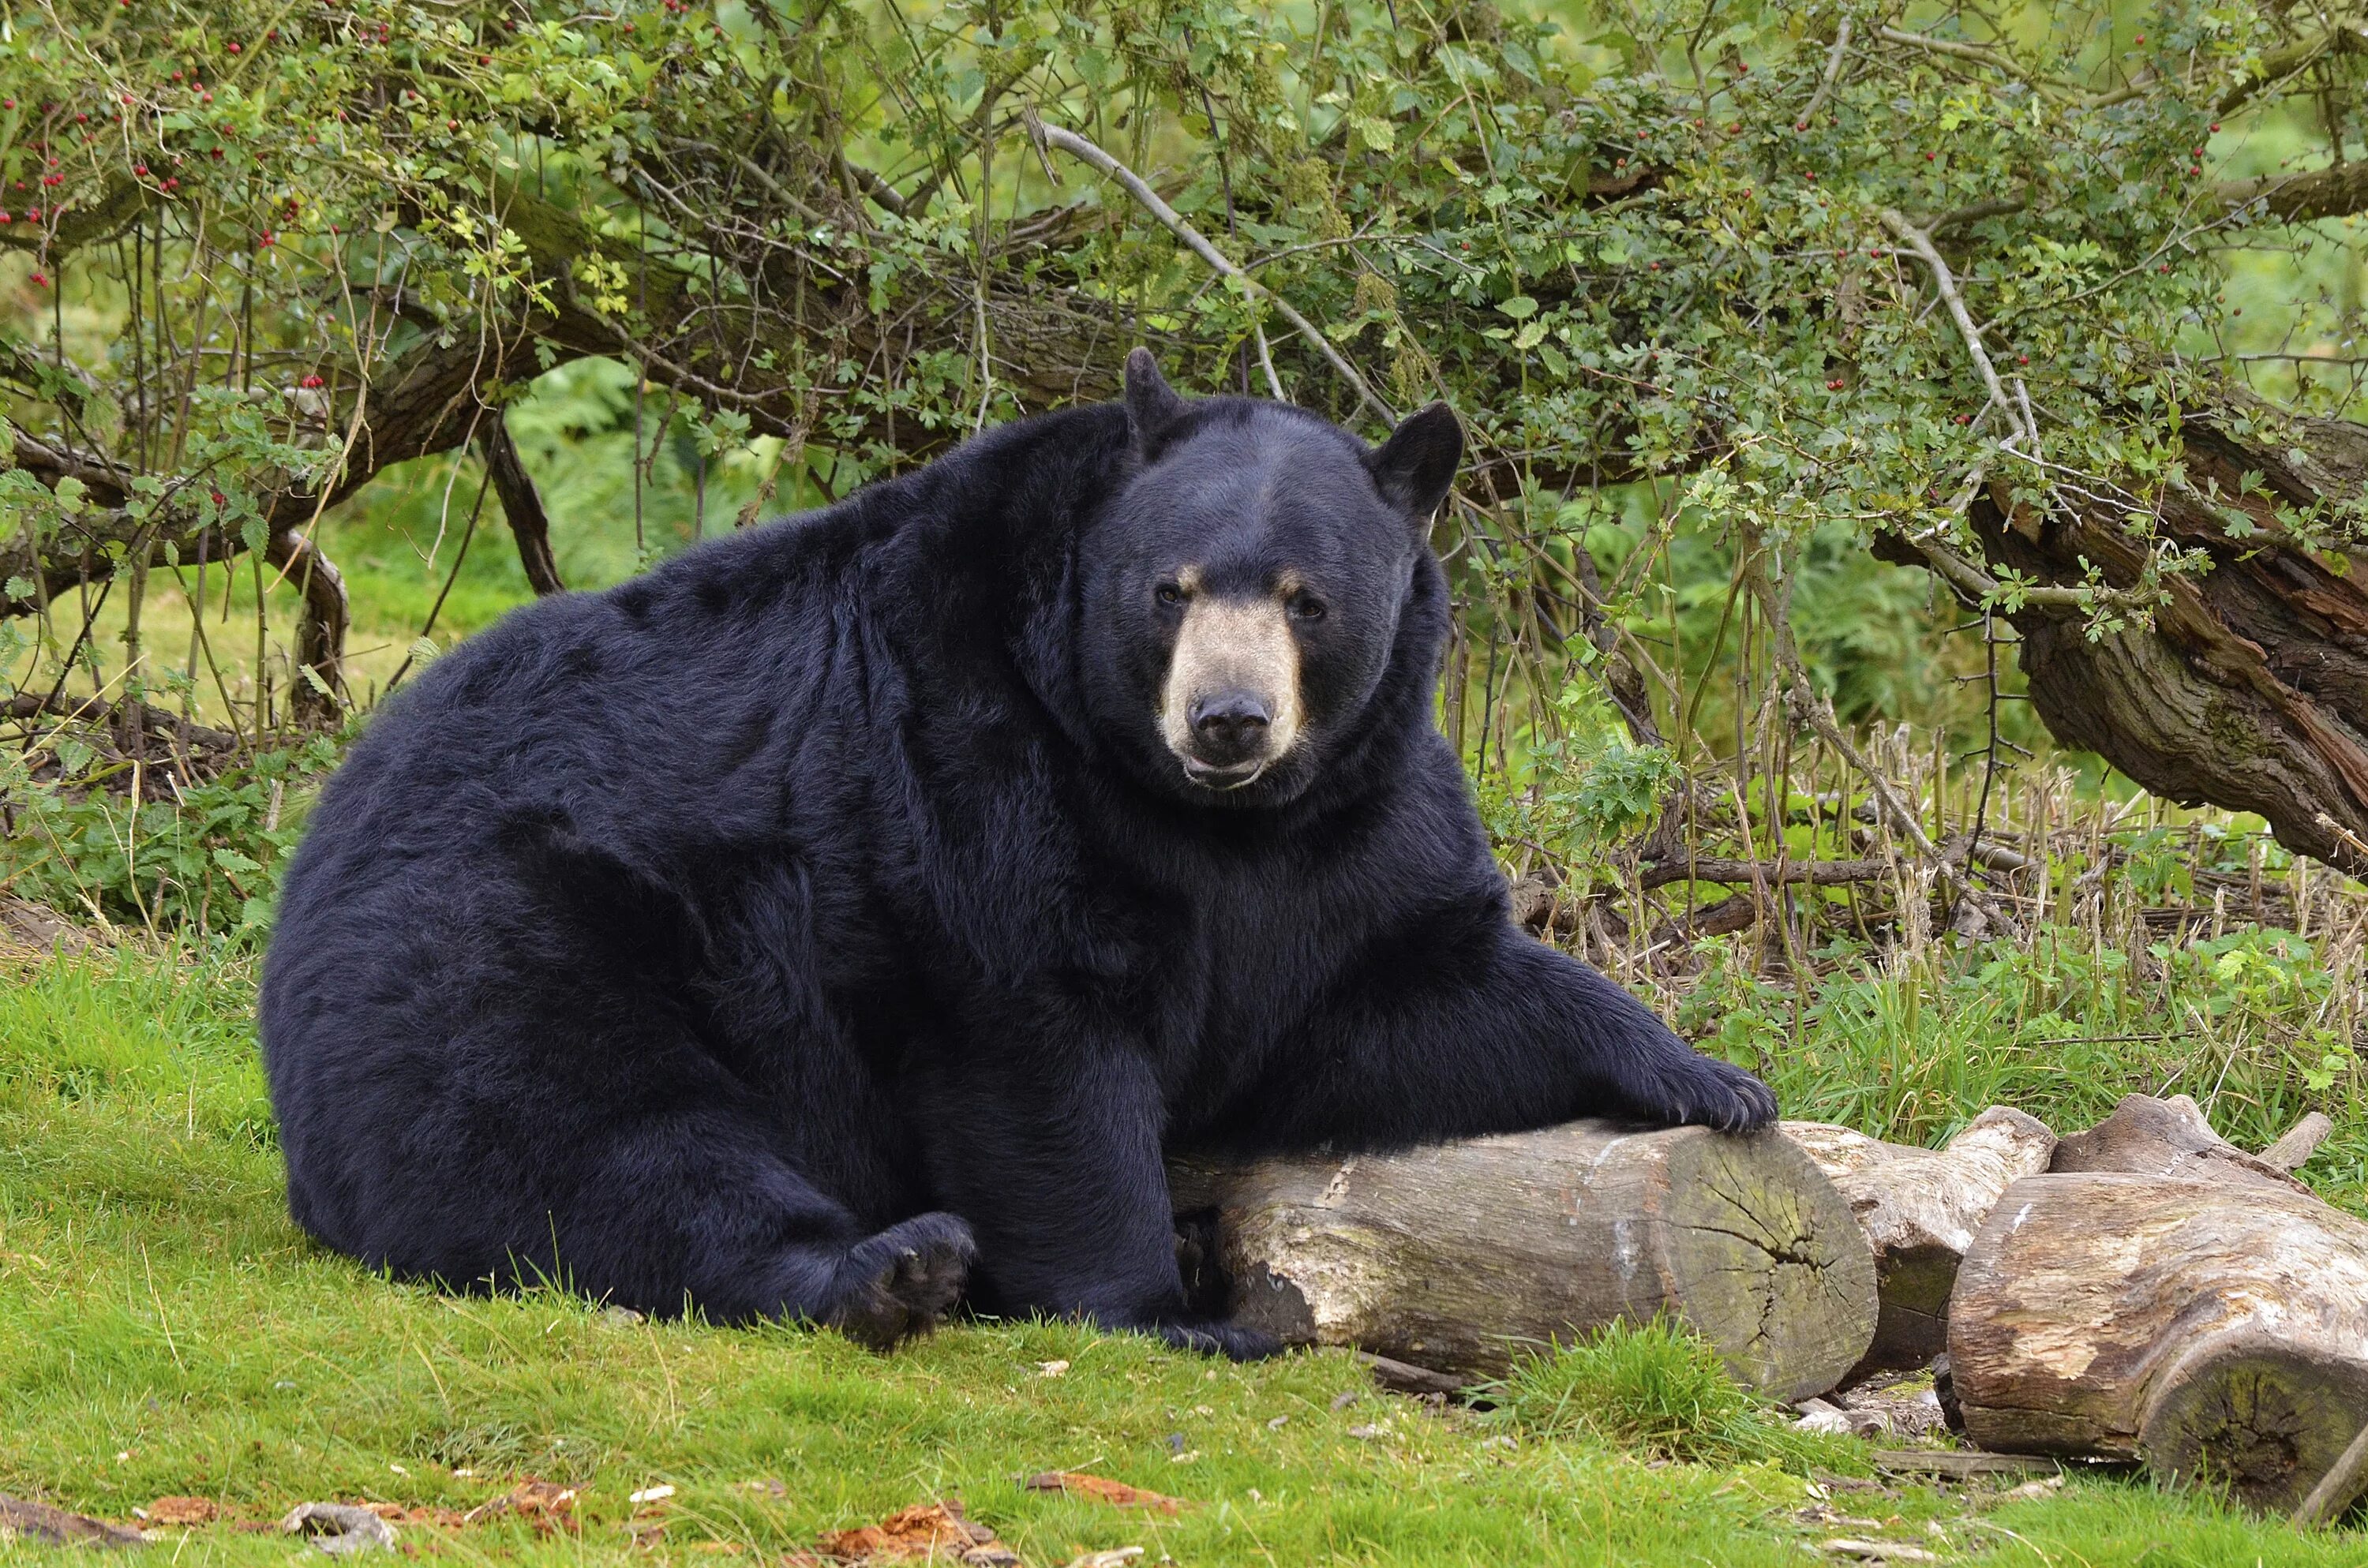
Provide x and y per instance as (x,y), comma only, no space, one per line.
(821,917)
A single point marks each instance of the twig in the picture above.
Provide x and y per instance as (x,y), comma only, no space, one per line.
(1077,146)
(1945,281)
(2336,1488)
(1735,873)
(1833,71)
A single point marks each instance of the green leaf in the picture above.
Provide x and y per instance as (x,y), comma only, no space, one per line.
(1521,307)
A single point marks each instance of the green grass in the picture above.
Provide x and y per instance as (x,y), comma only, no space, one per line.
(165,1330)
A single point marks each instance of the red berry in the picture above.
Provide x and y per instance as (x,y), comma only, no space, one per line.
(141,170)
(1800,125)
(2022,359)
(234,47)
(1929,157)
(1964,419)
(41,279)
(218,496)
(2142,38)
(2216,125)
(32,214)
(81,119)
(452,125)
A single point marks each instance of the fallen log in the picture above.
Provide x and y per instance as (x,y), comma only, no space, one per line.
(2217,1329)
(1919,1209)
(2146,1136)
(1452,1257)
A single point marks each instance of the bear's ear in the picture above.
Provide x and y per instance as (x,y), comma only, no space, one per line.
(1151,406)
(1416,465)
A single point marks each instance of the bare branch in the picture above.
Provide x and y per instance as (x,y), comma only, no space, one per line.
(1834,57)
(522,506)
(2281,64)
(2335,191)
(1945,280)
(1077,146)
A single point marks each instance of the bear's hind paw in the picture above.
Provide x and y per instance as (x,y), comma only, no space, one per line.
(903,1281)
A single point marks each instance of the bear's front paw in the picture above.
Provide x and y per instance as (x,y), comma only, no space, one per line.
(903,1280)
(1693,1090)
(1214,1338)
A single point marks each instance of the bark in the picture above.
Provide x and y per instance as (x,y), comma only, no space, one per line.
(522,506)
(2217,1329)
(1452,1257)
(1919,1209)
(320,630)
(21,1517)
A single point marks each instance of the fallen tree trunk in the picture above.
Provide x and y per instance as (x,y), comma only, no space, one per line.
(1919,1209)
(2146,1136)
(2217,1329)
(1452,1257)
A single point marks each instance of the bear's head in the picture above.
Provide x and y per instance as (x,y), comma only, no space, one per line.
(1243,590)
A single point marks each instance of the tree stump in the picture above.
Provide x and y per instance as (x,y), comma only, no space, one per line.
(2217,1329)
(1453,1257)
(1919,1209)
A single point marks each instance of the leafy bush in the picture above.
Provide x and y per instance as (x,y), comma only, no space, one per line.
(208,862)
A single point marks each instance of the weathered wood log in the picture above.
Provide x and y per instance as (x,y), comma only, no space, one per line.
(1452,1257)
(2217,1329)
(2146,1136)
(1919,1209)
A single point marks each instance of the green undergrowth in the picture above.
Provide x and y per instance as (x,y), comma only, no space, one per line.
(2256,1024)
(164,1330)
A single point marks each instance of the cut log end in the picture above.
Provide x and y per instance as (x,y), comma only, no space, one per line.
(2263,1419)
(1765,1262)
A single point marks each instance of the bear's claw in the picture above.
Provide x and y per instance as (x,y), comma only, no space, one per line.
(1703,1091)
(903,1281)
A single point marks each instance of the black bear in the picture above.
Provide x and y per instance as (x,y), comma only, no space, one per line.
(843,917)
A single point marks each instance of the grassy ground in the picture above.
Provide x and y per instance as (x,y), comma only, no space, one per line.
(165,1330)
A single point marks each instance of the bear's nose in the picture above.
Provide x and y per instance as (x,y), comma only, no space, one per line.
(1229,726)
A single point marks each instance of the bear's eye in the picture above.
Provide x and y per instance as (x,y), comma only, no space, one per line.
(1170,594)
(1306,606)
